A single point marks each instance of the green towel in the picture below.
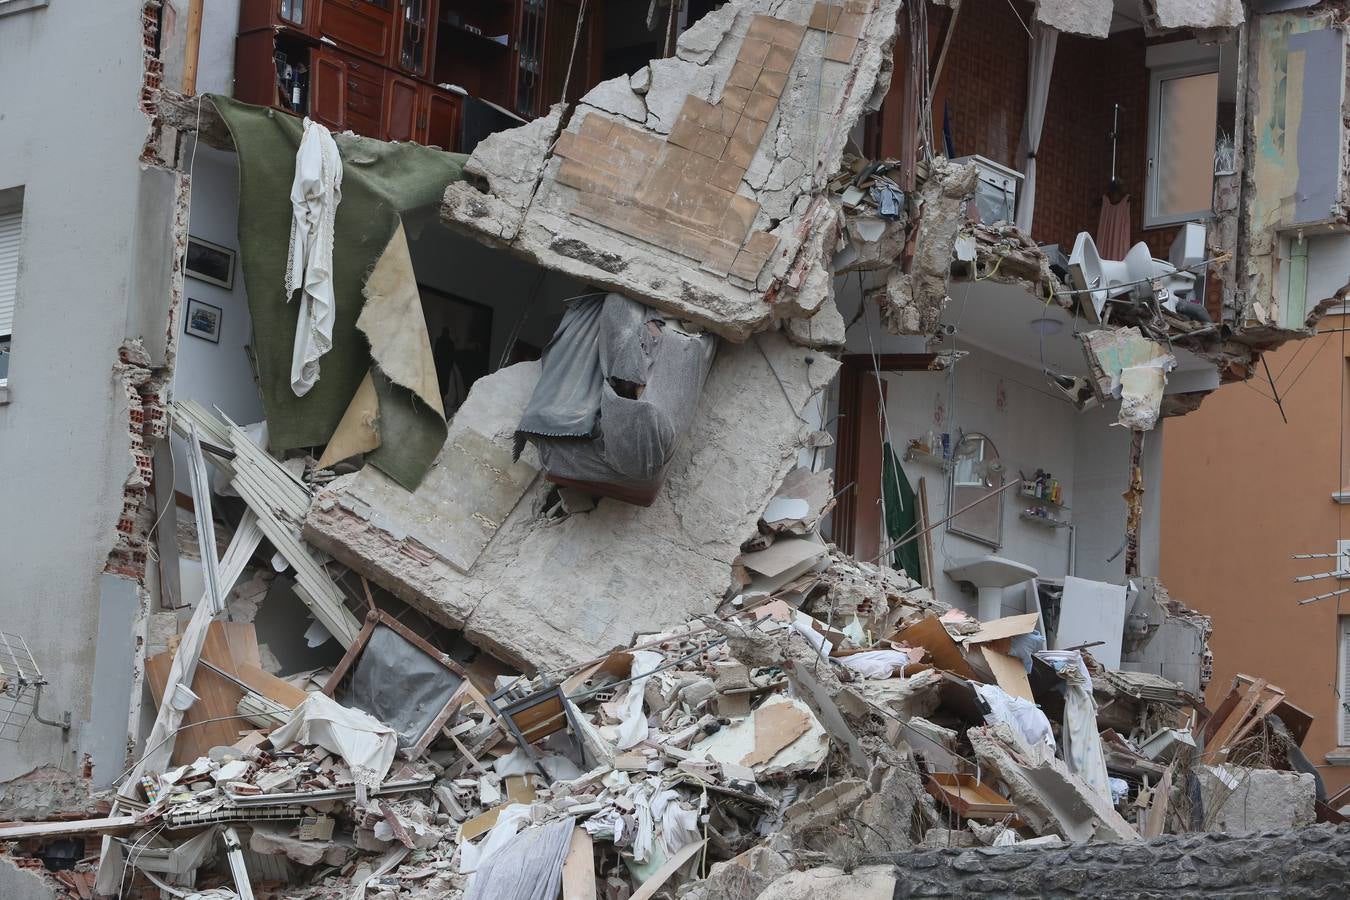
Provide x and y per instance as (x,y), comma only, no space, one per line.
(381,183)
(902,516)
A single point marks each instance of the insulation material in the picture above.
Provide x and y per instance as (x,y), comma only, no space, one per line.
(797,740)
(619,388)
(1141,393)
(366,744)
(1110,351)
(399,685)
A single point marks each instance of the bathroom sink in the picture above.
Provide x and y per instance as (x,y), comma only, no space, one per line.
(989,575)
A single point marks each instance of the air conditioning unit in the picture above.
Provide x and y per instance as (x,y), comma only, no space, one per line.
(996,192)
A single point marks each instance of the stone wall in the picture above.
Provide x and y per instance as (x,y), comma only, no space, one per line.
(1306,862)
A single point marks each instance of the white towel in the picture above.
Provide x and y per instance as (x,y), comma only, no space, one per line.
(315,195)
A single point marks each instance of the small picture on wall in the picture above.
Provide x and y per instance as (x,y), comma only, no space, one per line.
(203,321)
(210,262)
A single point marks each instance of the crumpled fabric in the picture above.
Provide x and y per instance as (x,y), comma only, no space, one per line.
(315,194)
(365,744)
(619,386)
(1022,716)
(876,663)
(633,721)
(1083,752)
(509,821)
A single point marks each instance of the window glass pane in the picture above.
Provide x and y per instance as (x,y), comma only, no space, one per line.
(1184,165)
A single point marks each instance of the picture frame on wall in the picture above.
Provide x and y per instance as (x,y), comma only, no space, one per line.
(203,320)
(210,262)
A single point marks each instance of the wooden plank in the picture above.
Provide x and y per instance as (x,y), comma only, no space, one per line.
(109,825)
(270,686)
(925,542)
(1011,626)
(1267,707)
(1009,673)
(1234,721)
(673,865)
(1157,809)
(1222,712)
(930,634)
(578,874)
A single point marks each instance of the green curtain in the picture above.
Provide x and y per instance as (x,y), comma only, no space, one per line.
(902,517)
(381,183)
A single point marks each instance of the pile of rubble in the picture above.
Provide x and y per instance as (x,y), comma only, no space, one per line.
(830,711)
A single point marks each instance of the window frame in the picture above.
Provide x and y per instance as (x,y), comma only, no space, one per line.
(1342,663)
(8,7)
(12,201)
(1152,218)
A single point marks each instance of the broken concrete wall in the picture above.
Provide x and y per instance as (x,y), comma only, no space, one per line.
(1296,173)
(1238,800)
(692,184)
(549,591)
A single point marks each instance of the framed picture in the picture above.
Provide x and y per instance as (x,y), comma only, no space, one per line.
(210,262)
(203,321)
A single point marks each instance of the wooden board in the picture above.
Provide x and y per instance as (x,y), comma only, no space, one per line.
(968,796)
(270,686)
(1011,626)
(578,874)
(673,865)
(933,637)
(1009,673)
(227,646)
(112,825)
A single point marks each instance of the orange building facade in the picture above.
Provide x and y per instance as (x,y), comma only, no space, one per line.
(1243,492)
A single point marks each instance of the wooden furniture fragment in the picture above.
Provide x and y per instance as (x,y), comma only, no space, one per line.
(968,796)
(378,618)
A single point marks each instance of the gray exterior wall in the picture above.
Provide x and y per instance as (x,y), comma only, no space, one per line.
(96,254)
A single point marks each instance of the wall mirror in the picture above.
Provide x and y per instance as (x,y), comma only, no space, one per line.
(976,472)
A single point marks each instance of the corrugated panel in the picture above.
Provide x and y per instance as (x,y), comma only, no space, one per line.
(9,267)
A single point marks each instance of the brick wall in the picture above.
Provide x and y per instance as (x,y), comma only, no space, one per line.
(1305,862)
(984,80)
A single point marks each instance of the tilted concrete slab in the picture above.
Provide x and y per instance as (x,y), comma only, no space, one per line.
(547,592)
(695,184)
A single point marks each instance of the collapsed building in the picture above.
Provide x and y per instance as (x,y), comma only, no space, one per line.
(743,465)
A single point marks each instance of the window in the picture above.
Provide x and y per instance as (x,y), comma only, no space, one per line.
(1183,115)
(11,220)
(1343,686)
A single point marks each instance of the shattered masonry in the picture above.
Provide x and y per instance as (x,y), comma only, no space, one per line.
(510,683)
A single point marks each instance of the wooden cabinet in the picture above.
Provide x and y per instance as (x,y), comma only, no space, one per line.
(327,91)
(415,25)
(347,92)
(362,26)
(443,114)
(372,66)
(419,112)
(402,109)
(292,14)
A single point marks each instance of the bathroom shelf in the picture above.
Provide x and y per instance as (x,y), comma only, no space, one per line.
(927,459)
(1042,501)
(1043,521)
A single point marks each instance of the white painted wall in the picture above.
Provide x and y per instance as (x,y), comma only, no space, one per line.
(215,59)
(92,273)
(1034,429)
(218,376)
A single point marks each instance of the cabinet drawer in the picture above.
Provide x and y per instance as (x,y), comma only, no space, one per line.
(357,25)
(364,93)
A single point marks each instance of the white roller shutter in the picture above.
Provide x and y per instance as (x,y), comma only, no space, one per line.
(1343,696)
(9,267)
